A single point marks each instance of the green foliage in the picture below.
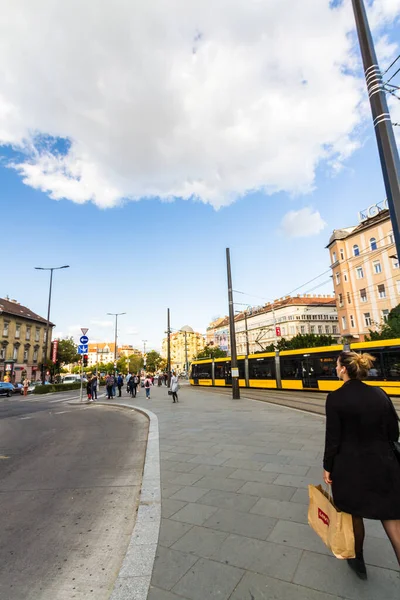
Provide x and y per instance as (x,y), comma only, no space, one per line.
(299,342)
(57,387)
(131,364)
(153,360)
(211,352)
(67,351)
(388,330)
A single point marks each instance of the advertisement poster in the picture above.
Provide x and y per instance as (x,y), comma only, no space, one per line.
(221,339)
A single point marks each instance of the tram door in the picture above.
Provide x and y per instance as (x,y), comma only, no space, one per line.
(228,374)
(308,373)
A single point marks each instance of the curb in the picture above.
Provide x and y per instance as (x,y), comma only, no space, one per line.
(133,580)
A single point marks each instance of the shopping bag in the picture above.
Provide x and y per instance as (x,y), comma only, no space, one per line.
(335,528)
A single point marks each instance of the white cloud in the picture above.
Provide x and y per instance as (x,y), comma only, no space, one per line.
(302,223)
(170,98)
(104,324)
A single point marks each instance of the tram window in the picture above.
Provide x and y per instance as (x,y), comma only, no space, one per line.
(203,371)
(242,372)
(324,366)
(291,368)
(262,368)
(219,370)
(391,361)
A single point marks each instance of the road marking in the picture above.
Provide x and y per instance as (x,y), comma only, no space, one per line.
(4,457)
(62,412)
(25,418)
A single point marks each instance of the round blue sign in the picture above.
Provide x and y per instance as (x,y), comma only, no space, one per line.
(84,339)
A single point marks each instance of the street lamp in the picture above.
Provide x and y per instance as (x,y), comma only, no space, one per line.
(116,315)
(51,269)
(144,353)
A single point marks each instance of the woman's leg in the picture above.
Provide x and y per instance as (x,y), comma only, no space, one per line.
(392,529)
(173,396)
(359,535)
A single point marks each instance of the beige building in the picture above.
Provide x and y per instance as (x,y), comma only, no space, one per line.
(128,351)
(287,317)
(185,345)
(365,271)
(23,336)
(103,352)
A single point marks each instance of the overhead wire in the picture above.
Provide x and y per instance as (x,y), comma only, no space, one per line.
(392,77)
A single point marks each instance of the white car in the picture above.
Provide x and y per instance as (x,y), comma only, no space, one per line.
(71,379)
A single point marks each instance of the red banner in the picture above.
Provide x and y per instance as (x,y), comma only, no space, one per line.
(54,351)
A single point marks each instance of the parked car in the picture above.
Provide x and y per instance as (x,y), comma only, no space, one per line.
(18,388)
(31,386)
(72,379)
(6,389)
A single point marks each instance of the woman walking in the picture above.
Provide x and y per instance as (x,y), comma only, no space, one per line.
(360,461)
(147,385)
(174,388)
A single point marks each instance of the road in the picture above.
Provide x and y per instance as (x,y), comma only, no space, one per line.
(69,485)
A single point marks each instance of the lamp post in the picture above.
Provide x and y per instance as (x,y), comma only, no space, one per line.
(387,148)
(144,354)
(116,315)
(46,343)
(234,363)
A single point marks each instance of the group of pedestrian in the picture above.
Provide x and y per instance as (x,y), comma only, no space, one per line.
(132,382)
(91,387)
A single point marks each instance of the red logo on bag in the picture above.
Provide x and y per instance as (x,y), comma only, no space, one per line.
(323,516)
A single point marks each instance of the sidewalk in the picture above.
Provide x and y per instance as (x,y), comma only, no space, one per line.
(234,506)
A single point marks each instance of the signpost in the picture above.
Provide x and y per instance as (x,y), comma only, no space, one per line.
(83,348)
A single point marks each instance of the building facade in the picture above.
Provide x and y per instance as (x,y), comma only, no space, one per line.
(22,341)
(287,317)
(103,352)
(366,274)
(185,345)
(128,351)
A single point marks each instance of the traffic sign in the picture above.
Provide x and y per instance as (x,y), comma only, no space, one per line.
(84,339)
(84,330)
(83,349)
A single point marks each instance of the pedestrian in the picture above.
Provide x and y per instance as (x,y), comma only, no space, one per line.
(26,385)
(147,385)
(89,389)
(127,381)
(131,386)
(120,383)
(114,385)
(109,386)
(135,385)
(159,380)
(360,459)
(94,387)
(174,387)
(165,378)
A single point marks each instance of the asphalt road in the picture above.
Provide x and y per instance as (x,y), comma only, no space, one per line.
(69,485)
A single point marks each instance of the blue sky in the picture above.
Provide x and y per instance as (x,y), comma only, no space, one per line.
(141,256)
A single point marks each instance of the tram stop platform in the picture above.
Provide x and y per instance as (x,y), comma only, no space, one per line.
(234,477)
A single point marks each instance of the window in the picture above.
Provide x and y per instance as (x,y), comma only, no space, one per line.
(352,321)
(5,328)
(395,263)
(367,319)
(2,353)
(385,314)
(381,291)
(344,323)
(363,295)
(261,368)
(302,329)
(341,254)
(312,329)
(348,298)
(372,244)
(18,330)
(333,257)
(377,267)
(340,299)
(360,273)
(37,334)
(320,329)
(356,250)
(327,329)
(15,353)
(28,333)
(345,276)
(334,329)
(25,355)
(337,277)
(391,237)
(35,355)
(44,336)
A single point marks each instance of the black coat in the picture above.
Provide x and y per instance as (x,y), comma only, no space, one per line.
(360,422)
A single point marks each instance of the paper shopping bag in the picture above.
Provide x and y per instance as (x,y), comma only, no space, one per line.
(334,527)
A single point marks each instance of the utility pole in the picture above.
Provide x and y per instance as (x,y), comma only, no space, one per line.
(168,348)
(387,148)
(247,334)
(234,364)
(144,353)
(116,315)
(186,354)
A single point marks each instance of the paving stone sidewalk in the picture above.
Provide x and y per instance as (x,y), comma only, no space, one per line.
(234,506)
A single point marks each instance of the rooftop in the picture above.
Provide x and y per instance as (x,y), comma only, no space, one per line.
(12,307)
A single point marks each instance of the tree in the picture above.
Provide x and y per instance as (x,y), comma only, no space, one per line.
(388,330)
(211,352)
(67,352)
(153,360)
(131,363)
(299,342)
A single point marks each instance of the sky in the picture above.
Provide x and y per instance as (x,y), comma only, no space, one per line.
(139,140)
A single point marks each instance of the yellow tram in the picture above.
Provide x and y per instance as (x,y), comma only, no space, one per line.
(311,369)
